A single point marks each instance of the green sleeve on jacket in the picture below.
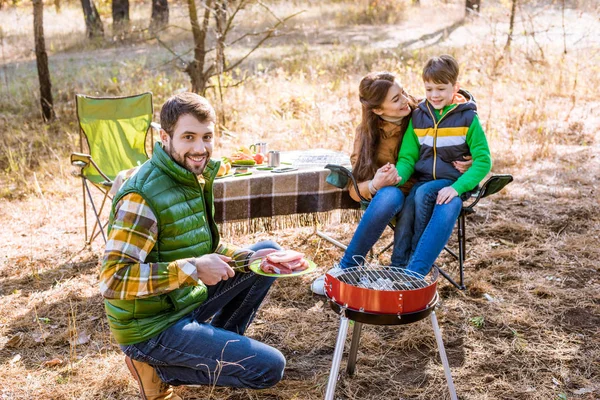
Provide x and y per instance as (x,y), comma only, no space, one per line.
(482,160)
(409,155)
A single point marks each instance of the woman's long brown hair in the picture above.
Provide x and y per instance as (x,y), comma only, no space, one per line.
(373,90)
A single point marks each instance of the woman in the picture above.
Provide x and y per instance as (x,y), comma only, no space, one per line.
(386,109)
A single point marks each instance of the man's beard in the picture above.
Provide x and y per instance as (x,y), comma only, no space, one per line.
(183,161)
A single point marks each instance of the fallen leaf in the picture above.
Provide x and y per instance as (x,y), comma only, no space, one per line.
(40,337)
(82,338)
(506,242)
(16,340)
(15,359)
(52,363)
(583,391)
(316,307)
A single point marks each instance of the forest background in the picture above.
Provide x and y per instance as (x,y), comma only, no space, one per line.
(527,327)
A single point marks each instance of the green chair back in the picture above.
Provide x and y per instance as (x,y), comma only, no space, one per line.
(115,130)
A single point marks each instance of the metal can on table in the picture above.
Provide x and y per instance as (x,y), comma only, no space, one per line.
(274,159)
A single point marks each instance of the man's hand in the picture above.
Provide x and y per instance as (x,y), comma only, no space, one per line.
(213,268)
(386,176)
(446,194)
(463,166)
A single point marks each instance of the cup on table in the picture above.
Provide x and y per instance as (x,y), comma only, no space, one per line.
(259,147)
(274,160)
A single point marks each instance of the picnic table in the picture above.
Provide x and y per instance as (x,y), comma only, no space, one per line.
(266,200)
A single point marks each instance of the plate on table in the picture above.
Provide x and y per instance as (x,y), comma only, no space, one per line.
(255,267)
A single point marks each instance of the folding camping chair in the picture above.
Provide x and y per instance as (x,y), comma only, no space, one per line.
(340,176)
(115,130)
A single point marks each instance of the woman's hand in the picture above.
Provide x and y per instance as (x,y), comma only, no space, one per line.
(386,176)
(446,194)
(463,166)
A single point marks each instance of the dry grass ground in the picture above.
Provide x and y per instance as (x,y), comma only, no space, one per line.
(533,249)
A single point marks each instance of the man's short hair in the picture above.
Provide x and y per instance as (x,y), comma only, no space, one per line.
(182,104)
(442,69)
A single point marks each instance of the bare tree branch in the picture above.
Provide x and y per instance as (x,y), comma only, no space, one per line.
(163,44)
(239,7)
(269,10)
(270,33)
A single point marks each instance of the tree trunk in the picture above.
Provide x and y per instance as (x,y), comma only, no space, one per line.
(93,23)
(42,61)
(511,25)
(120,14)
(160,15)
(220,23)
(195,69)
(472,6)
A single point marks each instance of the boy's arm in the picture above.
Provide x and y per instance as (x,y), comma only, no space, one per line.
(409,154)
(482,160)
(125,274)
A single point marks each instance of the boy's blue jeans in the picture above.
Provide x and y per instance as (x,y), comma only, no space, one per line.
(422,228)
(415,216)
(196,352)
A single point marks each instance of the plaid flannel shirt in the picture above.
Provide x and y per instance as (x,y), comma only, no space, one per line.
(125,275)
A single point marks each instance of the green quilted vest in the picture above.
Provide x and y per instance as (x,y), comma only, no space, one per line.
(186,228)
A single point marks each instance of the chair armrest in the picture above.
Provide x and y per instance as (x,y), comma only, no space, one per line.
(82,160)
(340,176)
(494,184)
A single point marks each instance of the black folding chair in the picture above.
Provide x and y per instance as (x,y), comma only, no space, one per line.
(340,177)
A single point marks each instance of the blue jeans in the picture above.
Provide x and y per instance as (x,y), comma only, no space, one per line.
(195,352)
(416,213)
(435,236)
(386,203)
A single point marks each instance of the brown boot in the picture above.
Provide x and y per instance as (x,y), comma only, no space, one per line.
(151,387)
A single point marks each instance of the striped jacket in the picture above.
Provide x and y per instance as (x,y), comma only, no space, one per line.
(434,139)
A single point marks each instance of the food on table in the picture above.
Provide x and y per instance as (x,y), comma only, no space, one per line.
(241,158)
(224,168)
(259,158)
(284,262)
(245,149)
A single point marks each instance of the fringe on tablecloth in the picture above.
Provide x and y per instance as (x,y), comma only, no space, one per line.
(282,222)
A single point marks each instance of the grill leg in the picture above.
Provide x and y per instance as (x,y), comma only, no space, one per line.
(440,344)
(354,348)
(337,357)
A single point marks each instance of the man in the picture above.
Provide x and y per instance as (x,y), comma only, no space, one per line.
(165,273)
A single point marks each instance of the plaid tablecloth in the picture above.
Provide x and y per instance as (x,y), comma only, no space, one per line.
(267,194)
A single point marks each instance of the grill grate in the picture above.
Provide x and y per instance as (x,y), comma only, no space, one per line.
(378,277)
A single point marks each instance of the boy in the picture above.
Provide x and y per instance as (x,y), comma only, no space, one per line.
(444,129)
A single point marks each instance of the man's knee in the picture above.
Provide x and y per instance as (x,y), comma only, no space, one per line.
(272,371)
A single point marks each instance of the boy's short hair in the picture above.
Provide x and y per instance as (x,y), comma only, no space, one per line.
(185,103)
(442,69)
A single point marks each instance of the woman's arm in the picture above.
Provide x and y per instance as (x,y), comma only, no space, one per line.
(363,187)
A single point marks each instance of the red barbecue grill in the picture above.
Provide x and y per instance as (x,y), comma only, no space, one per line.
(378,295)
